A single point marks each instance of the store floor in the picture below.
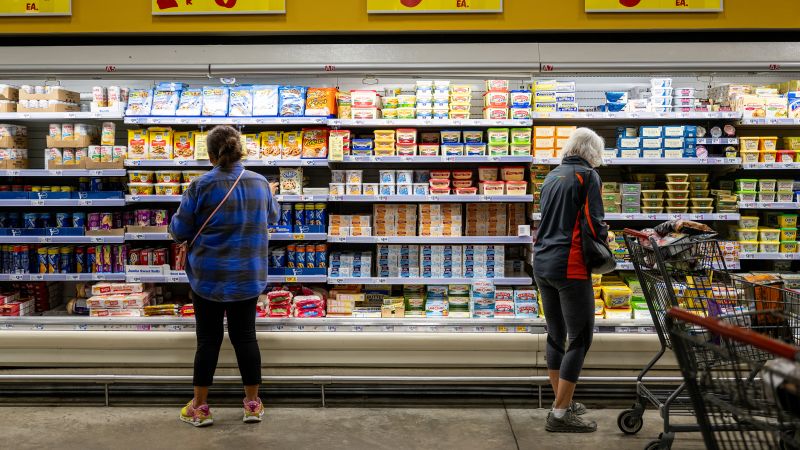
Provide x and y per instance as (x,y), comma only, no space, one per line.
(502,426)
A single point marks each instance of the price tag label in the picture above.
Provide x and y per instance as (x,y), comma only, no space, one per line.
(388,328)
(55,173)
(37,277)
(81,327)
(26,115)
(38,326)
(502,329)
(299,327)
(38,202)
(7,326)
(174,279)
(382,239)
(358,328)
(433,198)
(331,328)
(622,330)
(291,279)
(298,236)
(134,198)
(99,277)
(13,173)
(84,202)
(271,162)
(522,329)
(380,280)
(458,329)
(96,173)
(17,277)
(716,141)
(359,122)
(479,329)
(383,198)
(45,240)
(412,328)
(652,216)
(73,277)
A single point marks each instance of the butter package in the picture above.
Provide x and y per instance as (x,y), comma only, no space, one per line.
(651,131)
(652,143)
(619,313)
(617,296)
(624,143)
(674,142)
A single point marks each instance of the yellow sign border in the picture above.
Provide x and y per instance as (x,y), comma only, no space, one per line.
(64,12)
(634,10)
(158,12)
(498,10)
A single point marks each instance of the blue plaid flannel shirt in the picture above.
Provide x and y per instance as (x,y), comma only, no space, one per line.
(228,261)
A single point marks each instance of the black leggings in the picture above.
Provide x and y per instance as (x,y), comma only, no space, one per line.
(569,311)
(241,330)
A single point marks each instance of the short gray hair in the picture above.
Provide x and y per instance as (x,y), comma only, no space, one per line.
(586,144)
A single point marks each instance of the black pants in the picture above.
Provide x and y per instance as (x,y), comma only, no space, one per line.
(569,311)
(241,330)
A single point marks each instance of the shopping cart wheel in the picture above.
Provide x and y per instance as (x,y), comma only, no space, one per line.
(630,421)
(653,445)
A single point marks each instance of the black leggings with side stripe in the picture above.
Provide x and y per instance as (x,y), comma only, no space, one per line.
(569,311)
(241,315)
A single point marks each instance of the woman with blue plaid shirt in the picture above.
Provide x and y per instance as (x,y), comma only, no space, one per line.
(226,266)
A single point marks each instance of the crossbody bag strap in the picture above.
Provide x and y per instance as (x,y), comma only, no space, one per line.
(584,193)
(230,191)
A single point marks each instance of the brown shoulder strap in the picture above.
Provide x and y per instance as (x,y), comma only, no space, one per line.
(218,207)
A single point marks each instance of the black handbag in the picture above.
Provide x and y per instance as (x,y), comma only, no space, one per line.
(596,254)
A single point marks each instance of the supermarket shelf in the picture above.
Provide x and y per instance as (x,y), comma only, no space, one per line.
(769,205)
(355,123)
(272,237)
(206,163)
(63,277)
(718,141)
(62,239)
(302,198)
(772,166)
(170,120)
(60,116)
(613,116)
(771,122)
(519,279)
(179,277)
(431,198)
(68,202)
(480,240)
(662,217)
(63,173)
(147,237)
(434,159)
(152,198)
(770,256)
(654,161)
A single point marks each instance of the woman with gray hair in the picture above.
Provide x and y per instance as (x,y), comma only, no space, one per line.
(571,191)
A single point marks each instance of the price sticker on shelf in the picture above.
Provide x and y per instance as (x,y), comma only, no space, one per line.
(135,279)
(39,202)
(45,240)
(383,198)
(26,115)
(38,326)
(13,173)
(359,122)
(412,328)
(433,198)
(7,326)
(182,162)
(95,173)
(331,328)
(134,198)
(479,329)
(622,329)
(716,141)
(16,277)
(97,239)
(291,279)
(73,277)
(522,329)
(299,327)
(175,279)
(652,217)
(84,202)
(388,328)
(81,327)
(502,329)
(458,329)
(55,173)
(380,280)
(271,162)
(37,277)
(382,239)
(358,328)
(298,236)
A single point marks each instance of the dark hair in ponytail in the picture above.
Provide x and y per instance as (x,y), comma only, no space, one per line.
(224,146)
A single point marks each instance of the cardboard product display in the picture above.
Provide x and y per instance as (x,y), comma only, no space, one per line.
(14,142)
(78,142)
(138,229)
(112,232)
(9,93)
(8,164)
(7,107)
(49,109)
(61,95)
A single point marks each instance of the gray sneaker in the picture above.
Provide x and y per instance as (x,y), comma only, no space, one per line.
(570,423)
(577,407)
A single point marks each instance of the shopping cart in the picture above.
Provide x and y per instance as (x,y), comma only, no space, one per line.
(691,273)
(740,402)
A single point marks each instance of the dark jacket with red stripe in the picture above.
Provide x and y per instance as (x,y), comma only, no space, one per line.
(557,252)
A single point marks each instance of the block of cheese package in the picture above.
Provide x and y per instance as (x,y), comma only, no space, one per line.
(346,225)
(394,220)
(117,288)
(487,219)
(398,261)
(440,219)
(119,301)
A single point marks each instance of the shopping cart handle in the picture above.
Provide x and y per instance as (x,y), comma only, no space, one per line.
(739,334)
(634,233)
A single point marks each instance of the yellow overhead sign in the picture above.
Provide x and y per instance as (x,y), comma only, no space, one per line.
(36,8)
(433,6)
(666,6)
(199,7)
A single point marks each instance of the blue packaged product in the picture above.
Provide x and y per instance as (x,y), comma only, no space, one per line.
(292,100)
(53,260)
(690,131)
(45,220)
(300,215)
(65,260)
(286,215)
(290,256)
(361,144)
(96,185)
(79,220)
(320,214)
(80,260)
(91,260)
(190,103)
(615,107)
(311,256)
(4,220)
(63,220)
(627,132)
(14,220)
(31,220)
(616,97)
(300,256)
(240,101)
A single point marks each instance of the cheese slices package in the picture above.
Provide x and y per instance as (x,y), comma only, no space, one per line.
(265,100)
(240,102)
(140,102)
(215,101)
(292,100)
(165,103)
(191,103)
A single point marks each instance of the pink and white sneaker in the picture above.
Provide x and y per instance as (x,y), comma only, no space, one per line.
(197,416)
(253,411)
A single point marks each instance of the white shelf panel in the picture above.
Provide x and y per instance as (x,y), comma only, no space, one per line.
(772,166)
(63,173)
(663,217)
(153,198)
(207,164)
(770,256)
(505,281)
(365,123)
(68,202)
(302,198)
(615,116)
(434,159)
(769,205)
(654,162)
(785,122)
(479,240)
(62,239)
(176,120)
(431,198)
(63,277)
(33,116)
(298,236)
(147,237)
(177,277)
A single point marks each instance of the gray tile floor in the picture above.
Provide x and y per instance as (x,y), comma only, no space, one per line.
(510,426)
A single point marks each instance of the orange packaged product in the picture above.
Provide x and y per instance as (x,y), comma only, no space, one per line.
(315,143)
(321,102)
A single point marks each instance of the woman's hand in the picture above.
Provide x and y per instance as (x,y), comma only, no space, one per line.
(273,187)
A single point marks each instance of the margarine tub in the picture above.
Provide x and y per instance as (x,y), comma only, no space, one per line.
(748,222)
(141,188)
(749,246)
(168,176)
(789,247)
(141,176)
(168,189)
(191,175)
(788,234)
(769,247)
(747,234)
(599,306)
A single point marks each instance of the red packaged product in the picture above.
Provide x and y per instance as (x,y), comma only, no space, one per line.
(159,256)
(279,297)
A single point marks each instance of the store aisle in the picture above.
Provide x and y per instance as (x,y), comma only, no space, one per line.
(497,428)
